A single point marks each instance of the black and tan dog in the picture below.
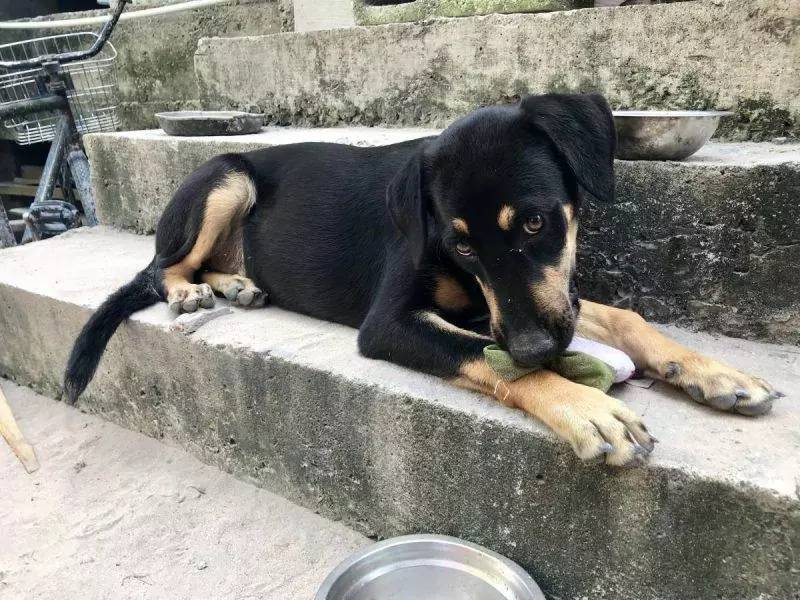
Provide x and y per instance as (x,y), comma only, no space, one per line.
(414,243)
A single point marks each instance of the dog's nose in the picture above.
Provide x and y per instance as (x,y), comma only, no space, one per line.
(530,349)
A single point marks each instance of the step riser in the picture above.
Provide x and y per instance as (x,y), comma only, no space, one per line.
(702,243)
(388,462)
(686,55)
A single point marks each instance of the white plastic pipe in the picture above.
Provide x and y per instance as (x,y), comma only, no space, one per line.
(100,20)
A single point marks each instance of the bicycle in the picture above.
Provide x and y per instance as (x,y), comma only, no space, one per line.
(57,96)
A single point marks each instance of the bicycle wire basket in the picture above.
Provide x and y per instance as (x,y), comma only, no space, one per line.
(93,101)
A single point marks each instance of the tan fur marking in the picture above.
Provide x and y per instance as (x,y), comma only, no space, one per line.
(495,318)
(460,225)
(444,325)
(570,409)
(449,294)
(505,218)
(661,357)
(225,207)
(551,295)
(222,282)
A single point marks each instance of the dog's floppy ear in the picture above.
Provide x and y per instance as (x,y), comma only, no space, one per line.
(408,206)
(581,127)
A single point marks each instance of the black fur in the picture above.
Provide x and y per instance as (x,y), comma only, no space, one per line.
(361,236)
(138,294)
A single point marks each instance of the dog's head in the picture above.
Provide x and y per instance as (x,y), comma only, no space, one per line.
(503,187)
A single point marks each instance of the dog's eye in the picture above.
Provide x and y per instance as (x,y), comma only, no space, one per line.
(534,224)
(464,249)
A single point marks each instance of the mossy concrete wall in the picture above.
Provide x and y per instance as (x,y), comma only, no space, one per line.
(155,63)
(420,10)
(742,55)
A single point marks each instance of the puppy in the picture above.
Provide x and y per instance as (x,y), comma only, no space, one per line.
(434,249)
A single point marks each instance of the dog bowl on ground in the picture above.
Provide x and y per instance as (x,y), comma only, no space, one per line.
(209,122)
(664,134)
(433,567)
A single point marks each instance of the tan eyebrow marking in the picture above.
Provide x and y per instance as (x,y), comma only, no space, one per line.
(505,218)
(461,225)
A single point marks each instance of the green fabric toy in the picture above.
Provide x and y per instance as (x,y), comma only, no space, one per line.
(576,366)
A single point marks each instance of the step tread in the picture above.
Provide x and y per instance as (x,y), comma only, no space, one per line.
(762,452)
(742,154)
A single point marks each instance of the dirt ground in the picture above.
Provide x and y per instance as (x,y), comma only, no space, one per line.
(114,514)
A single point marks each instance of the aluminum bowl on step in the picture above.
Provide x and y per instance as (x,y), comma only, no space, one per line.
(429,567)
(209,122)
(664,134)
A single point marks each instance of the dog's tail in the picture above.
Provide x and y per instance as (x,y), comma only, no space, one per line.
(138,294)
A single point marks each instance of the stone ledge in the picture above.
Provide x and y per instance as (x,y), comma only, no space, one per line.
(419,10)
(693,55)
(705,242)
(286,402)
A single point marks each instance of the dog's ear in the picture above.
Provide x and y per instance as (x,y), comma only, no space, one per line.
(408,207)
(581,127)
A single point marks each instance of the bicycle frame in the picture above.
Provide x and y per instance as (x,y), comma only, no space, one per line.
(66,144)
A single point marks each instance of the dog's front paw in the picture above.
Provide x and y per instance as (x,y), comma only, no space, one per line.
(600,427)
(720,386)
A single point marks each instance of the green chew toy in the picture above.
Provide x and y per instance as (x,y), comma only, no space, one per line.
(576,366)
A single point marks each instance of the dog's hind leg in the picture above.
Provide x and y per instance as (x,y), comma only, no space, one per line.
(216,247)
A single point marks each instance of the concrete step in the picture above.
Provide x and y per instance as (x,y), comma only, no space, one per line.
(367,13)
(705,242)
(114,514)
(682,55)
(286,401)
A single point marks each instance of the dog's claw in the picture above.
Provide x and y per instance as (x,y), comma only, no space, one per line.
(607,448)
(639,449)
(779,394)
(742,393)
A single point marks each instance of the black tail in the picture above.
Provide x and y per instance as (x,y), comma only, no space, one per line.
(141,292)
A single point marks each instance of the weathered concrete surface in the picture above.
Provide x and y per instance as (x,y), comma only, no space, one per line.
(428,9)
(156,54)
(135,173)
(705,241)
(312,15)
(114,514)
(285,401)
(686,55)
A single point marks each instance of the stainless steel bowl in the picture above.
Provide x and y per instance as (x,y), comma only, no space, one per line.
(209,122)
(429,567)
(664,134)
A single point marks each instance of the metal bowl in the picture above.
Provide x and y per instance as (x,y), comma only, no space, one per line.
(664,134)
(209,122)
(429,567)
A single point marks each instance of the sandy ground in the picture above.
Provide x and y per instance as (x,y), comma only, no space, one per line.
(114,514)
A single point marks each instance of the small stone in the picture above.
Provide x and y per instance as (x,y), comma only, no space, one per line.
(202,565)
(190,322)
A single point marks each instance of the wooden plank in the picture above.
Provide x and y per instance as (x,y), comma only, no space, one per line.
(10,431)
(11,188)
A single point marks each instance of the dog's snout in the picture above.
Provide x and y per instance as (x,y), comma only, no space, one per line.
(530,349)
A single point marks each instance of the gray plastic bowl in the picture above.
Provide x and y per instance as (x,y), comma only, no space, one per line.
(209,122)
(664,134)
(428,567)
